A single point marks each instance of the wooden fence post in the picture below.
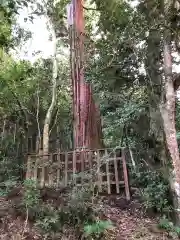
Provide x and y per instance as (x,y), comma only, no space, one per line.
(74,157)
(107,172)
(58,167)
(99,171)
(116,173)
(66,170)
(42,180)
(28,170)
(50,170)
(35,169)
(126,181)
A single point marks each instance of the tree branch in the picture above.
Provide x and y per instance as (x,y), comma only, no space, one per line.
(93,9)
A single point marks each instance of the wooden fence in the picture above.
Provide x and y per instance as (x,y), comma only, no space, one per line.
(106,168)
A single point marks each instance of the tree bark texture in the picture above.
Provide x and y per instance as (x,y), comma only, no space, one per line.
(49,113)
(154,86)
(168,110)
(87,123)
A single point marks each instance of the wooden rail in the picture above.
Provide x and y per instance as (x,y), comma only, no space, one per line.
(105,168)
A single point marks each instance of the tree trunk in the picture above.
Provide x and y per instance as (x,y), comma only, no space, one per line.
(54,93)
(168,113)
(154,86)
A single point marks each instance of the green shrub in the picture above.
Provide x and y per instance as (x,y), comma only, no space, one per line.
(79,206)
(48,219)
(167,225)
(97,229)
(154,189)
(7,185)
(9,174)
(76,208)
(164,223)
(31,194)
(11,165)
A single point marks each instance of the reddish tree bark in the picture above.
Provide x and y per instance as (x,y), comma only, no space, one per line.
(87,127)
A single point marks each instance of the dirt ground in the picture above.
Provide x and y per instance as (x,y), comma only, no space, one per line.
(129,220)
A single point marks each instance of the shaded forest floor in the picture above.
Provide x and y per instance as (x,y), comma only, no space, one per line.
(128,218)
(132,223)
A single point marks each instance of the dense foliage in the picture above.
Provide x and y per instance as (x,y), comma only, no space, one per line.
(124,62)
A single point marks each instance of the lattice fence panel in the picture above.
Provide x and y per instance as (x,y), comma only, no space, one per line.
(107,166)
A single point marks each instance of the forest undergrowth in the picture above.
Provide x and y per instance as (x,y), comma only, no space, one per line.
(27,212)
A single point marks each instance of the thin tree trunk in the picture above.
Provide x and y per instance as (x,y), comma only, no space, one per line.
(168,115)
(38,140)
(4,129)
(54,93)
(154,82)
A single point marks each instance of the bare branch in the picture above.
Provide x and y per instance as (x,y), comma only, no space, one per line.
(93,9)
